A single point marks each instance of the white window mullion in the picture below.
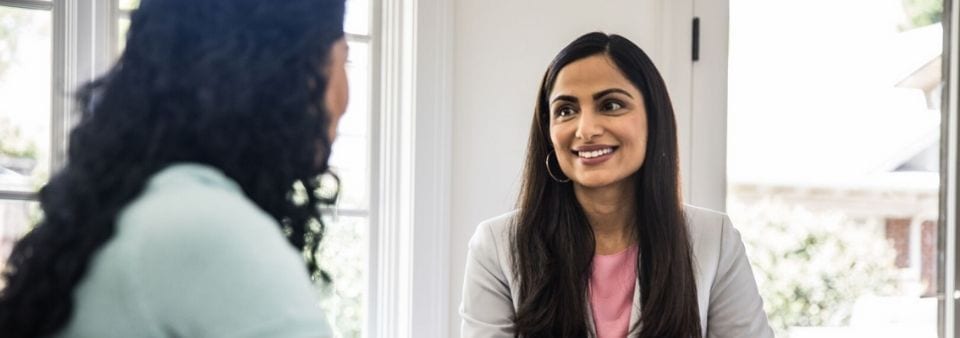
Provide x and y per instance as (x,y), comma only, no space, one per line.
(17,195)
(359,38)
(28,4)
(82,44)
(65,27)
(391,313)
(411,273)
(949,182)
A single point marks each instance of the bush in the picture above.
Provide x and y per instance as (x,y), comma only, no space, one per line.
(343,253)
(812,267)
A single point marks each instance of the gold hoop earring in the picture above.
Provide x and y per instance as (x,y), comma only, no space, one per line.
(550,172)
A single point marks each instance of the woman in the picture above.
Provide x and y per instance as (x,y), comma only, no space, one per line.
(601,244)
(186,205)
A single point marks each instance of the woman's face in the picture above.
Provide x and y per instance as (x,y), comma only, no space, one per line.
(598,123)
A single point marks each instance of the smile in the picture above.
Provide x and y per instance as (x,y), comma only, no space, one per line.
(594,153)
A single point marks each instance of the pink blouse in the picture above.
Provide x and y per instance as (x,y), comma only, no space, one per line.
(612,285)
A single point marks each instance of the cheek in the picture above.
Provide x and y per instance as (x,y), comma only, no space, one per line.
(338,93)
(638,139)
(561,139)
(332,128)
(337,98)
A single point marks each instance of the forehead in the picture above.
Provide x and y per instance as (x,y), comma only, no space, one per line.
(589,75)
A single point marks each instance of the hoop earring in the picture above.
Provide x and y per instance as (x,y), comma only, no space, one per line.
(550,172)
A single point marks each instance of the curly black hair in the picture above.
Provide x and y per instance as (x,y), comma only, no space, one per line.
(235,84)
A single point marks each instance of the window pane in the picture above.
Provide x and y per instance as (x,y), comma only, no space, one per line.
(343,254)
(833,162)
(25,63)
(129,4)
(357,20)
(123,25)
(16,217)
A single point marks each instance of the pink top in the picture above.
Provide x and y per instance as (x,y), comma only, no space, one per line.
(611,292)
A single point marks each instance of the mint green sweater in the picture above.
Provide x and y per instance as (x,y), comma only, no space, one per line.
(193,257)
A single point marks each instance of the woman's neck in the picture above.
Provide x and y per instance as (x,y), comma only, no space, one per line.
(610,211)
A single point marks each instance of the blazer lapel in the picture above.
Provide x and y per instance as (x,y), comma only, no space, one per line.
(635,312)
(591,326)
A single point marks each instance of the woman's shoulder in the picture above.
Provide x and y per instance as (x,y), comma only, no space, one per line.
(494,233)
(712,235)
(190,243)
(703,220)
(191,199)
(196,209)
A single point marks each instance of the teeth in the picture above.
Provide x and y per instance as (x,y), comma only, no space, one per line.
(595,153)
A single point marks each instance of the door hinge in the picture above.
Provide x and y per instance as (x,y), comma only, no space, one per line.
(695,52)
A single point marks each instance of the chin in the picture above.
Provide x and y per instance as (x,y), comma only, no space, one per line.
(594,182)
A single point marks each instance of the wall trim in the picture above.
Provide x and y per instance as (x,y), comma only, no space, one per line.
(411,216)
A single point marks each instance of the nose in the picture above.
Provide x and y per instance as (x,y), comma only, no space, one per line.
(589,126)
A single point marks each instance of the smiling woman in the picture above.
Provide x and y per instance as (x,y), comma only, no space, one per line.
(607,236)
(596,113)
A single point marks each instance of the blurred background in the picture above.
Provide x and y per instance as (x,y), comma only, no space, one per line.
(833,162)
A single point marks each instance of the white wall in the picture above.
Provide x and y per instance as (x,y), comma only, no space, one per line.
(501,49)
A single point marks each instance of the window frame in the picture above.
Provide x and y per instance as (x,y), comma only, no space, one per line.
(949,183)
(411,213)
(77,57)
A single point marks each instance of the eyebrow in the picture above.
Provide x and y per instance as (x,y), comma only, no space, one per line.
(596,96)
(600,94)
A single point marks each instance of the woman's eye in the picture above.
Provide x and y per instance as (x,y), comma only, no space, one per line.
(564,111)
(612,105)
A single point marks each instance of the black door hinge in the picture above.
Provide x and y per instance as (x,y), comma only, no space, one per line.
(696,39)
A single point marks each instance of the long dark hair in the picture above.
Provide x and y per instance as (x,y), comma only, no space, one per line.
(234,84)
(553,243)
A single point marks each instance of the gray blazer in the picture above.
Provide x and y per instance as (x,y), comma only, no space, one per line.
(730,305)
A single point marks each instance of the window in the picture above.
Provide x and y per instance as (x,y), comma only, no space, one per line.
(26,42)
(833,144)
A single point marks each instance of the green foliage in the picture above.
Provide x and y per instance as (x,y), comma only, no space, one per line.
(12,142)
(10,22)
(922,12)
(342,255)
(812,267)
